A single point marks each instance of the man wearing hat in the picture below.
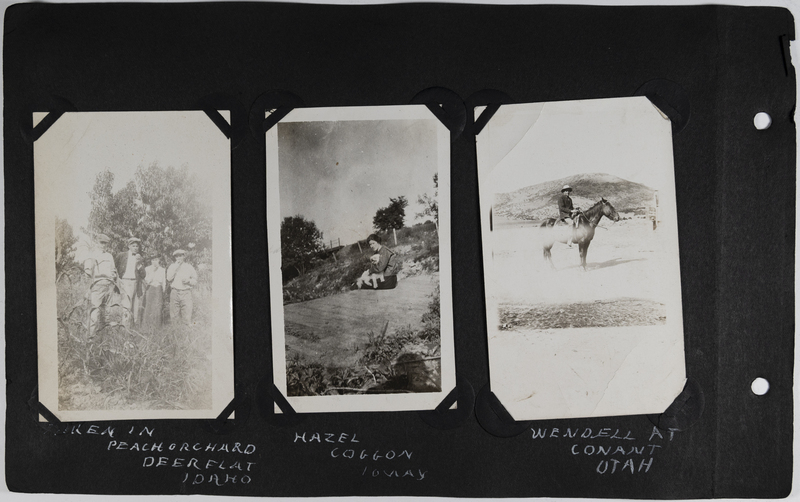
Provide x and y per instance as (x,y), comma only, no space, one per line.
(565,209)
(103,274)
(182,277)
(131,272)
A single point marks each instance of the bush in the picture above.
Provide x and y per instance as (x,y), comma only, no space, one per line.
(420,232)
(303,379)
(432,320)
(312,379)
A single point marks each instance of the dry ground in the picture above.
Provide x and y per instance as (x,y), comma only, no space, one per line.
(573,343)
(330,330)
(624,284)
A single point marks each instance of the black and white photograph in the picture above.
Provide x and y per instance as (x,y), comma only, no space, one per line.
(580,243)
(359,258)
(133,266)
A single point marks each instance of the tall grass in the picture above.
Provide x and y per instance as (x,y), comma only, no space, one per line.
(121,368)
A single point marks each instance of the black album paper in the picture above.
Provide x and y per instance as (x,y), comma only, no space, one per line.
(693,243)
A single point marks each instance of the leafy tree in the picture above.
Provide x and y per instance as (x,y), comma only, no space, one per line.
(430,204)
(65,248)
(164,207)
(392,216)
(300,239)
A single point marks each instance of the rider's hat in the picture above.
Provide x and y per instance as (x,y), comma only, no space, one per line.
(102,238)
(179,252)
(131,240)
(566,188)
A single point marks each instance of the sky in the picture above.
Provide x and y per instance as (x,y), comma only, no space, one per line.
(532,143)
(339,173)
(78,146)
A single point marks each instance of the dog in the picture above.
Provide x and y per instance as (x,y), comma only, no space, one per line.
(367,278)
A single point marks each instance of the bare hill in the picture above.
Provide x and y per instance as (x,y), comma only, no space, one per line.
(540,201)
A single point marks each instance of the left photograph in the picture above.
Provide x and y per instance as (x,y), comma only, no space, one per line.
(133,266)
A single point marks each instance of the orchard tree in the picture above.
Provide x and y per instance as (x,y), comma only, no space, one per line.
(65,248)
(300,239)
(165,207)
(176,211)
(430,205)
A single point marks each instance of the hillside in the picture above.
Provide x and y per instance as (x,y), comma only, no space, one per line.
(540,201)
(416,252)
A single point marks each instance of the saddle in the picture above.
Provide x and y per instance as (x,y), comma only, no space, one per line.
(575,220)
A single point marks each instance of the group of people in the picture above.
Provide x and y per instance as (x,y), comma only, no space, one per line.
(127,281)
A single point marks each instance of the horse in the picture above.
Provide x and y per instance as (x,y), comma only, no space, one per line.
(584,233)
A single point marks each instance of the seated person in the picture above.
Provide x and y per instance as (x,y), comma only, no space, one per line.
(378,266)
(368,277)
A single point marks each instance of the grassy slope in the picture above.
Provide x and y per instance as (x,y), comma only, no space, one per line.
(417,251)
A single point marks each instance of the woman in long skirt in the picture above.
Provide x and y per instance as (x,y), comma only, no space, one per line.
(154,281)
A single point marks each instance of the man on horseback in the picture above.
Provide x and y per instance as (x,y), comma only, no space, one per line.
(566,211)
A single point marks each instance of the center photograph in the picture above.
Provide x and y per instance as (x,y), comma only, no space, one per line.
(358,218)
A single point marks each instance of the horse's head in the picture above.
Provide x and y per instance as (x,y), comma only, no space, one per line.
(608,210)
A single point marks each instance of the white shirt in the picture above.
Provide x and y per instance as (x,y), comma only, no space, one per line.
(101,265)
(130,269)
(155,276)
(183,275)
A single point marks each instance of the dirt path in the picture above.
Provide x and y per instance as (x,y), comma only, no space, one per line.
(332,330)
(625,260)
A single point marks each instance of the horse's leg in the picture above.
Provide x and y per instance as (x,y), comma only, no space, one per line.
(547,257)
(547,240)
(583,248)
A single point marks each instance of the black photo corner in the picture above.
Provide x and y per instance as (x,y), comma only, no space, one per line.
(710,69)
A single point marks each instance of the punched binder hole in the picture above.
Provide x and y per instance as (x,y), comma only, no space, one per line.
(762,121)
(759,386)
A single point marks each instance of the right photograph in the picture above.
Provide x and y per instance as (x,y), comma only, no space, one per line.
(581,264)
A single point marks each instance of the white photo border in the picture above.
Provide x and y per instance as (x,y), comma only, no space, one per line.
(370,402)
(222,367)
(644,341)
